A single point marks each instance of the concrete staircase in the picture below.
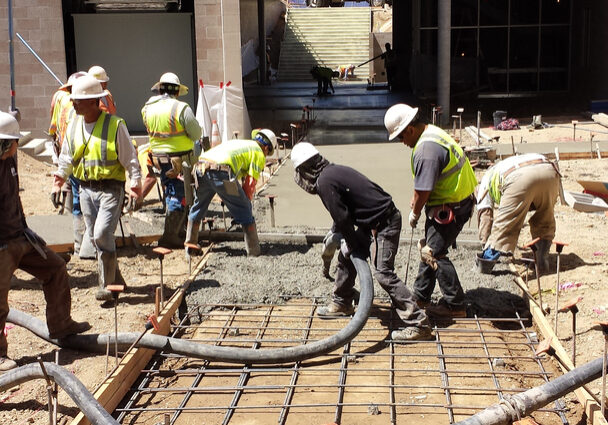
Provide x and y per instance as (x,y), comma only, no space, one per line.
(326,36)
(39,148)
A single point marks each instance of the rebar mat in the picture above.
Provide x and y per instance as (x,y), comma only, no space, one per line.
(468,365)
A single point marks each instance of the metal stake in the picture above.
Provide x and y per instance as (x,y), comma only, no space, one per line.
(161,251)
(534,248)
(574,122)
(49,389)
(559,247)
(271,200)
(116,290)
(571,306)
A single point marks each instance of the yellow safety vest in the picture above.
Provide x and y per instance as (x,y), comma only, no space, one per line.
(457,180)
(167,134)
(95,158)
(245,157)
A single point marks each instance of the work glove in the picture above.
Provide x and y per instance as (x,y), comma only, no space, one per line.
(426,254)
(344,249)
(413,219)
(56,191)
(491,254)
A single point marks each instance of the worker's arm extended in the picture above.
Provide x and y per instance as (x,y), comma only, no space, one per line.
(249,185)
(418,200)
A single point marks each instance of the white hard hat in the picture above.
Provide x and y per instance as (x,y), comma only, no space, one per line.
(72,78)
(171,78)
(99,73)
(87,87)
(269,137)
(9,126)
(302,152)
(397,118)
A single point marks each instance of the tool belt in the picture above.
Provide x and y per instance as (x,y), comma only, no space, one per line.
(174,159)
(204,166)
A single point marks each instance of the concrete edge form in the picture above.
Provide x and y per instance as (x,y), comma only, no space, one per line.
(113,389)
(592,409)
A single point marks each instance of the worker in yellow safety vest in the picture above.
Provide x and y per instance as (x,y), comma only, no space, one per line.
(174,133)
(106,103)
(98,150)
(444,183)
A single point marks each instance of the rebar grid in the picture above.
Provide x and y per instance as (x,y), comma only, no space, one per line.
(468,366)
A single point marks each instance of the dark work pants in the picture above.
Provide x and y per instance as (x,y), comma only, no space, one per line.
(440,237)
(383,251)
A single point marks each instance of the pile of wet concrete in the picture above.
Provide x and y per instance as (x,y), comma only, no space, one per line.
(294,270)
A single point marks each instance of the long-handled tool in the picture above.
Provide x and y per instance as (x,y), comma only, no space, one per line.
(409,254)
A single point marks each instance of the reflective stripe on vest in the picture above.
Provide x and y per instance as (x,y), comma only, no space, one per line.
(166,132)
(457,179)
(97,158)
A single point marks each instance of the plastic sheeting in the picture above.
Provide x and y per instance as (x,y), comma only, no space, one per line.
(226,105)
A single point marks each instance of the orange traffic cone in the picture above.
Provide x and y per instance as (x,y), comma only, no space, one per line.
(215,134)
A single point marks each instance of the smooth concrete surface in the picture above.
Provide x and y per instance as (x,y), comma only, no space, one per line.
(387,164)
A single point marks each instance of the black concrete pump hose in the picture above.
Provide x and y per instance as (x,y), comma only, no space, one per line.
(513,407)
(94,412)
(99,342)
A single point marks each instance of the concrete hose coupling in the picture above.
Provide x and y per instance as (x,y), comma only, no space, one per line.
(522,404)
(98,342)
(85,401)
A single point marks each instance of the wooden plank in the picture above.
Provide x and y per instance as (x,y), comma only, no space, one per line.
(142,240)
(115,387)
(592,409)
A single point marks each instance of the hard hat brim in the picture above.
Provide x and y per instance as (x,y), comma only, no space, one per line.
(183,90)
(89,96)
(403,125)
(9,136)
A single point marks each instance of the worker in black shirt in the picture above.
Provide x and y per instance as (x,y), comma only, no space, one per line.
(365,215)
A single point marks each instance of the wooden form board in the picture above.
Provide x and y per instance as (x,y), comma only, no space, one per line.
(115,387)
(592,409)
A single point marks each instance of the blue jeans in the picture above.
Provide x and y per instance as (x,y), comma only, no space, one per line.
(212,183)
(175,197)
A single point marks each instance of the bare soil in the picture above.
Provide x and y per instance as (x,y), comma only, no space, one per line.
(584,268)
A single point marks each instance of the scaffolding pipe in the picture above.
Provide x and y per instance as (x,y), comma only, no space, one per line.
(93,411)
(98,342)
(514,407)
(443,59)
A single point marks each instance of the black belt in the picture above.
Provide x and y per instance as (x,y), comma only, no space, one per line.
(388,213)
(101,184)
(171,154)
(460,204)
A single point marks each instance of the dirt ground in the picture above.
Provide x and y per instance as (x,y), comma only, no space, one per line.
(584,271)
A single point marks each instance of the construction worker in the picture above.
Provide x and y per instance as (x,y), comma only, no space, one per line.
(390,65)
(219,171)
(323,75)
(444,183)
(344,71)
(97,150)
(62,112)
(366,217)
(513,187)
(21,248)
(106,103)
(173,131)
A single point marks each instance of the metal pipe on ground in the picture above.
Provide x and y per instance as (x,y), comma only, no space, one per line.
(514,407)
(98,342)
(67,381)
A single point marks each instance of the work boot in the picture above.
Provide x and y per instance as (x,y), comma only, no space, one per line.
(108,266)
(72,328)
(6,364)
(252,243)
(421,303)
(412,333)
(174,221)
(542,255)
(334,310)
(192,233)
(445,311)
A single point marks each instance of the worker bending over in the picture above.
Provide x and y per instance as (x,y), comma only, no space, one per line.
(323,75)
(173,131)
(366,217)
(21,248)
(97,150)
(219,171)
(444,183)
(513,187)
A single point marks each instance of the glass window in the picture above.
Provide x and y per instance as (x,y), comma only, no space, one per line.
(554,80)
(524,48)
(556,12)
(428,13)
(464,43)
(554,47)
(522,82)
(464,13)
(493,47)
(494,12)
(524,12)
(428,42)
